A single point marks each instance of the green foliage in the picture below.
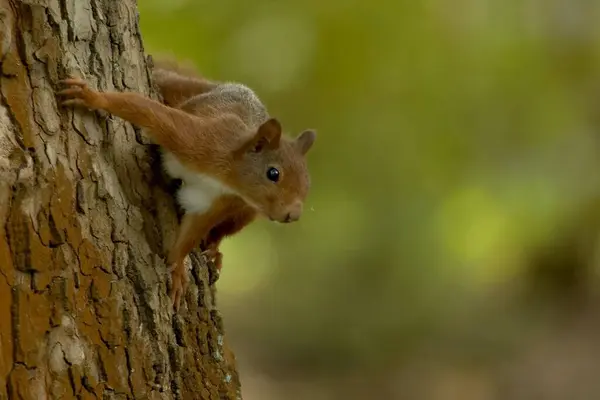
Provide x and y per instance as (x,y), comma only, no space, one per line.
(451,137)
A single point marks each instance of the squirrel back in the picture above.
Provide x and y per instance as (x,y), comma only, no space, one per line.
(185,88)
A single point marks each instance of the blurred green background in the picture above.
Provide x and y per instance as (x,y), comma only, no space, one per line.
(448,248)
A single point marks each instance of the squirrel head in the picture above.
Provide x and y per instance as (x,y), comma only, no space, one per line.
(270,171)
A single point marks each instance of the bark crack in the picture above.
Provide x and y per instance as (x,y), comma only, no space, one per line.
(95,69)
(64,14)
(129,370)
(13,119)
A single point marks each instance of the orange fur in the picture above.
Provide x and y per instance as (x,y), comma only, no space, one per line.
(228,215)
(230,224)
(177,84)
(219,132)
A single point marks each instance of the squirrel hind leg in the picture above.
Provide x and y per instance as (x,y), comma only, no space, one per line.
(231,225)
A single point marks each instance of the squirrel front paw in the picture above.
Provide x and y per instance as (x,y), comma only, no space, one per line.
(79,94)
(179,282)
(215,255)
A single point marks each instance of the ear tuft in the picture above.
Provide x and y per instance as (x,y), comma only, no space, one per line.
(305,140)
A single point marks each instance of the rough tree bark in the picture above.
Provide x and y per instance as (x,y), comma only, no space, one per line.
(84,225)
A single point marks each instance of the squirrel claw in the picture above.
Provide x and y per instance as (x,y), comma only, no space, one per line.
(74,82)
(79,94)
(215,255)
(171,268)
(178,285)
(210,253)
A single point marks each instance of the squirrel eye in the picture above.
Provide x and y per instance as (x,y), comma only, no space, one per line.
(273,174)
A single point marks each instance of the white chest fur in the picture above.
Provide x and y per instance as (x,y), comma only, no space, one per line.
(198,191)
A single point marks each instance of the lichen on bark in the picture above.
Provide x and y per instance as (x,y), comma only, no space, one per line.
(85,221)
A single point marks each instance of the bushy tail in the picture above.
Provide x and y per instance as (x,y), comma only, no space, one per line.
(178,81)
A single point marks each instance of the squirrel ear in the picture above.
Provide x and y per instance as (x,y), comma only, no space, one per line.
(305,140)
(268,135)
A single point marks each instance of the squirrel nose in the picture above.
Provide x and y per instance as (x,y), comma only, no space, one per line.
(289,218)
(294,215)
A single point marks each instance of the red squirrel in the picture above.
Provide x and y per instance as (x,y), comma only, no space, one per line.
(219,140)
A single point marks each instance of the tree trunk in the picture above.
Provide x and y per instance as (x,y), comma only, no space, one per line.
(85,222)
